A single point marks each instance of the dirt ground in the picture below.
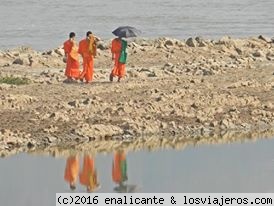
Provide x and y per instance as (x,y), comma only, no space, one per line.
(174,90)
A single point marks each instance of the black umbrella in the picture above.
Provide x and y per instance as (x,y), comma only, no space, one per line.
(126,31)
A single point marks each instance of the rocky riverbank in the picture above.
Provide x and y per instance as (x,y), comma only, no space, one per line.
(173,88)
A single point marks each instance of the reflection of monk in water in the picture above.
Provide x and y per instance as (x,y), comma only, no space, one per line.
(88,175)
(119,172)
(71,171)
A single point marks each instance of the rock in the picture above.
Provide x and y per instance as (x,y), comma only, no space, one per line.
(59,116)
(214,124)
(225,39)
(87,101)
(168,64)
(59,51)
(6,65)
(163,125)
(74,103)
(145,70)
(18,61)
(133,73)
(246,125)
(99,130)
(201,42)
(238,50)
(51,53)
(169,42)
(51,139)
(258,53)
(6,86)
(266,39)
(152,74)
(30,145)
(191,42)
(102,45)
(225,123)
(173,124)
(144,43)
(51,129)
(160,45)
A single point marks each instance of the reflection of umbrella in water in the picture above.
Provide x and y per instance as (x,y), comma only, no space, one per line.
(126,32)
(124,188)
(119,173)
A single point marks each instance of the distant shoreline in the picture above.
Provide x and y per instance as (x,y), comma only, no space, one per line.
(209,37)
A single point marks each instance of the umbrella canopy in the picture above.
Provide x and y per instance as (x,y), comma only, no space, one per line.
(126,31)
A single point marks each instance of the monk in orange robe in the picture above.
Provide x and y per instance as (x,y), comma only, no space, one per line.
(119,69)
(88,175)
(72,60)
(87,49)
(71,171)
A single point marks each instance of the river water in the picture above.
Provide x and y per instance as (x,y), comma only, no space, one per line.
(30,180)
(46,24)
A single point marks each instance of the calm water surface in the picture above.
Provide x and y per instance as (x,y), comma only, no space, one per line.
(45,24)
(34,180)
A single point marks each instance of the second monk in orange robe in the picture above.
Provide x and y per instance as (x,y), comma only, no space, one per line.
(87,49)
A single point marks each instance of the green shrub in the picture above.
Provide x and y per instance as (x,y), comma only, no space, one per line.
(14,80)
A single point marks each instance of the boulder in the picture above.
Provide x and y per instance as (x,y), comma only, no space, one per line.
(59,51)
(102,45)
(169,42)
(264,38)
(201,42)
(191,42)
(258,53)
(227,41)
(19,61)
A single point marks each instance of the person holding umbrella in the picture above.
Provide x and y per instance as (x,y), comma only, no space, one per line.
(118,50)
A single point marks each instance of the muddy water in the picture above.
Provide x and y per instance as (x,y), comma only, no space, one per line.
(249,167)
(46,24)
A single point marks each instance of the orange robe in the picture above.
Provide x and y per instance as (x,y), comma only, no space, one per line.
(88,175)
(72,67)
(119,69)
(118,172)
(72,169)
(84,50)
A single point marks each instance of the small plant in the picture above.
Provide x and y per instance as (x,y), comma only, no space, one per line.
(14,80)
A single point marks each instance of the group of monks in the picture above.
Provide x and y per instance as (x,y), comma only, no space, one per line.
(88,175)
(87,49)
